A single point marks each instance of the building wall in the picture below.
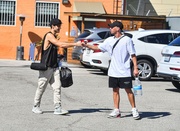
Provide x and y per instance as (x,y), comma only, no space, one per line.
(152,7)
(10,35)
(166,7)
(173,22)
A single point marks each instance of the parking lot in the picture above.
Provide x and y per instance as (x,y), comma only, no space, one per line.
(88,100)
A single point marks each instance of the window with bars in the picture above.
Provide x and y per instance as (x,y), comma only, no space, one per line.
(45,12)
(7,12)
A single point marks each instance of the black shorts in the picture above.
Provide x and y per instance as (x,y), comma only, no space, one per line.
(124,82)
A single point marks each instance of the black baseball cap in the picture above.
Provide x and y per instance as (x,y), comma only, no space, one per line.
(116,24)
(55,21)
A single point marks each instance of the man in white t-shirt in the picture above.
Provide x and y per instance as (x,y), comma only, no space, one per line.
(119,71)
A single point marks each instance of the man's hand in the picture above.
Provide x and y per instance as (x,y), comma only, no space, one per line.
(136,72)
(84,44)
(92,47)
(79,43)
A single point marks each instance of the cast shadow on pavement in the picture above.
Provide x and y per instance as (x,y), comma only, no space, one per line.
(149,115)
(84,110)
(173,90)
(89,110)
(96,72)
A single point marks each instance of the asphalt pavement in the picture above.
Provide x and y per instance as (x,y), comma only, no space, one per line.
(88,100)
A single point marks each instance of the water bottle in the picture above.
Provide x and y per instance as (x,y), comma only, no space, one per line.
(137,87)
(59,63)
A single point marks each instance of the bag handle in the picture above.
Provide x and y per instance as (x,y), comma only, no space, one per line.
(64,63)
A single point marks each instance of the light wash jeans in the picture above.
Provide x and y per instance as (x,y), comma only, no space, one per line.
(52,77)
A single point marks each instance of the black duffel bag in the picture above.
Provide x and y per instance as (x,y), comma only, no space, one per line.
(42,66)
(66,77)
(38,66)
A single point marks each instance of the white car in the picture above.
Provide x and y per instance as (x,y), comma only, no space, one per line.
(85,60)
(148,45)
(90,35)
(169,66)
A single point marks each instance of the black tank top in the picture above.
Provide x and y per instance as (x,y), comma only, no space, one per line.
(51,60)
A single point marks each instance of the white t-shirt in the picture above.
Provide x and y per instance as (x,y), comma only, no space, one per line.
(120,58)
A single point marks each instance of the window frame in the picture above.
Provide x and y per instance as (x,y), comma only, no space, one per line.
(48,2)
(175,42)
(156,39)
(13,22)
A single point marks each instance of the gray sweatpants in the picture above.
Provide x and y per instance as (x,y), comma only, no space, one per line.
(52,77)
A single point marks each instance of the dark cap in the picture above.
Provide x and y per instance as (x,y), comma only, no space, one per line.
(116,23)
(55,21)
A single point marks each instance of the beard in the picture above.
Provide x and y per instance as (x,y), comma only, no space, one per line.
(57,31)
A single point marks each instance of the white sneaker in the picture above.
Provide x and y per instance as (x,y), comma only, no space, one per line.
(60,111)
(37,110)
(114,114)
(135,114)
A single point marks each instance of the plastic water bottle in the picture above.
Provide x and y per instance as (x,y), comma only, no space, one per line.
(137,87)
(59,63)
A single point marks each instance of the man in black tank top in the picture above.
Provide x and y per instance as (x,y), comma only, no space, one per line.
(51,75)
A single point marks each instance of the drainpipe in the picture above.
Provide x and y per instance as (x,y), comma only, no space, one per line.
(122,7)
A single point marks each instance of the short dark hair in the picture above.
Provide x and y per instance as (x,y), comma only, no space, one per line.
(116,24)
(55,21)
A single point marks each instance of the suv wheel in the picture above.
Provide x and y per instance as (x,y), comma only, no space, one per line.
(176,84)
(145,70)
(105,71)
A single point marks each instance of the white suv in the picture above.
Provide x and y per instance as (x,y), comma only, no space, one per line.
(169,66)
(148,45)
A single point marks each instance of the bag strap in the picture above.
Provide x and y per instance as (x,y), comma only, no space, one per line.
(43,43)
(43,48)
(116,43)
(114,47)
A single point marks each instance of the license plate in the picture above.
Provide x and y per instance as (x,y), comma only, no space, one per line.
(166,58)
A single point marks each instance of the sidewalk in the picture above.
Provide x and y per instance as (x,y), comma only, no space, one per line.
(11,62)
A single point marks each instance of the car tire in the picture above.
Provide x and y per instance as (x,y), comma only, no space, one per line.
(176,84)
(105,71)
(146,70)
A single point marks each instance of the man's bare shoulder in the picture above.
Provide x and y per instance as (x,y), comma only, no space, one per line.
(49,35)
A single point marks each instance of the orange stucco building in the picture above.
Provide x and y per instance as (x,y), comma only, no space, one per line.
(10,34)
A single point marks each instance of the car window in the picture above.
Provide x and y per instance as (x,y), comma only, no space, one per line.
(175,42)
(102,34)
(108,34)
(84,34)
(164,38)
(176,35)
(129,35)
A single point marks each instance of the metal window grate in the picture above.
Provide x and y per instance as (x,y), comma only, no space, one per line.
(7,12)
(45,12)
